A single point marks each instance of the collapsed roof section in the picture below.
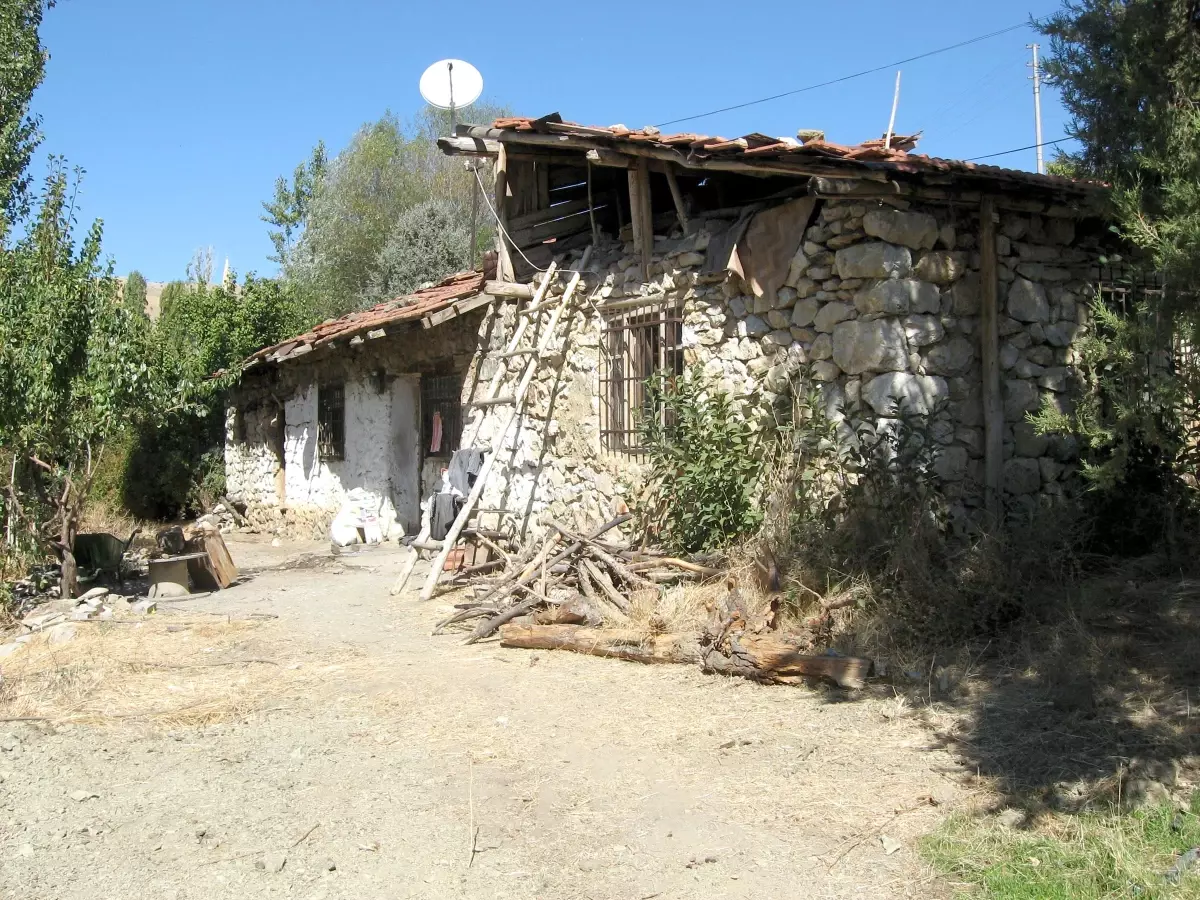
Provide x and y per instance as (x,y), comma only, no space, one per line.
(874,160)
(559,181)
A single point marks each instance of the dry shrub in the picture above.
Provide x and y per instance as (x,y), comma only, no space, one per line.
(195,671)
(673,610)
(102,516)
(856,520)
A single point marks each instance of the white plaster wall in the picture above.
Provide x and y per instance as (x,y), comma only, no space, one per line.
(313,482)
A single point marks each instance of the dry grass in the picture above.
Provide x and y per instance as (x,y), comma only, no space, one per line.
(99,516)
(174,671)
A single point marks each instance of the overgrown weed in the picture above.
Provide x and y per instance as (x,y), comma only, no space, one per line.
(1083,857)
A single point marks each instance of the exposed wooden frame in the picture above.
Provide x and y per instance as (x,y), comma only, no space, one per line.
(989,352)
(641,214)
(504,263)
(677,198)
(460,308)
(567,142)
(1065,201)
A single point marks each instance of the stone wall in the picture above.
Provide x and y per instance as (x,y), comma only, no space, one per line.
(880,307)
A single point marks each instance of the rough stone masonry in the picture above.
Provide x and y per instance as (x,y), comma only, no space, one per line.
(880,306)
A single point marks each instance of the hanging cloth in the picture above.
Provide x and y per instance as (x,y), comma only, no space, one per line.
(435,445)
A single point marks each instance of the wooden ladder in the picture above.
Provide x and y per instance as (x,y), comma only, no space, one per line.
(532,362)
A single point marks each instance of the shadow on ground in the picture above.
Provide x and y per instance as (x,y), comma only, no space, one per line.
(1097,709)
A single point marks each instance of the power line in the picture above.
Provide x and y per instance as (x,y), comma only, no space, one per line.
(813,87)
(1018,150)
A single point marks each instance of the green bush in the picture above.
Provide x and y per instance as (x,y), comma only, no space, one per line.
(705,462)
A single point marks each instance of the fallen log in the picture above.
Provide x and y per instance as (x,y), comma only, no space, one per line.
(635,646)
(765,657)
(757,657)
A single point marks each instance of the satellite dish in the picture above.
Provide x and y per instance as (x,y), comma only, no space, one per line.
(451,84)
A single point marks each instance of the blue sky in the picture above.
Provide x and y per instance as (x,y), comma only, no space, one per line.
(184,112)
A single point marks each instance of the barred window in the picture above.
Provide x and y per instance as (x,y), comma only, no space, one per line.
(637,345)
(441,414)
(331,421)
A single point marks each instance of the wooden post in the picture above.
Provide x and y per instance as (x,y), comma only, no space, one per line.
(635,218)
(474,167)
(592,209)
(677,196)
(504,265)
(640,213)
(989,353)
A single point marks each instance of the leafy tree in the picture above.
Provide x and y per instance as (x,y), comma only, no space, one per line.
(335,219)
(20,75)
(288,211)
(175,462)
(429,241)
(1129,71)
(135,292)
(72,368)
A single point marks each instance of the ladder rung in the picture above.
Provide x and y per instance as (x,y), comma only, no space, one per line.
(511,353)
(494,401)
(541,307)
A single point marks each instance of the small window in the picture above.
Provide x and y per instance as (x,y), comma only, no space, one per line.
(637,345)
(331,421)
(441,414)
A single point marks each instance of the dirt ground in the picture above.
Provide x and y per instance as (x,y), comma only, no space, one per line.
(413,766)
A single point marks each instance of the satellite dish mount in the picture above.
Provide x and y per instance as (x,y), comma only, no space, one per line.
(451,84)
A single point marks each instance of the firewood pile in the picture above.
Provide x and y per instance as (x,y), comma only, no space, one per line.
(570,579)
(580,593)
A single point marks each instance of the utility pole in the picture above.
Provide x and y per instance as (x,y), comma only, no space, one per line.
(1037,108)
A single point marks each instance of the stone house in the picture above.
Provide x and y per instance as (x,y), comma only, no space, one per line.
(958,291)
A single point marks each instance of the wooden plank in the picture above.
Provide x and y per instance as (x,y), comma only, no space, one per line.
(610,159)
(770,658)
(613,643)
(677,197)
(989,353)
(643,210)
(542,185)
(492,401)
(556,228)
(541,216)
(508,289)
(468,146)
(461,308)
(592,209)
(518,402)
(504,264)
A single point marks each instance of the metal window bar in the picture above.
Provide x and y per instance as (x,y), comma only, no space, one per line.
(331,421)
(441,394)
(636,345)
